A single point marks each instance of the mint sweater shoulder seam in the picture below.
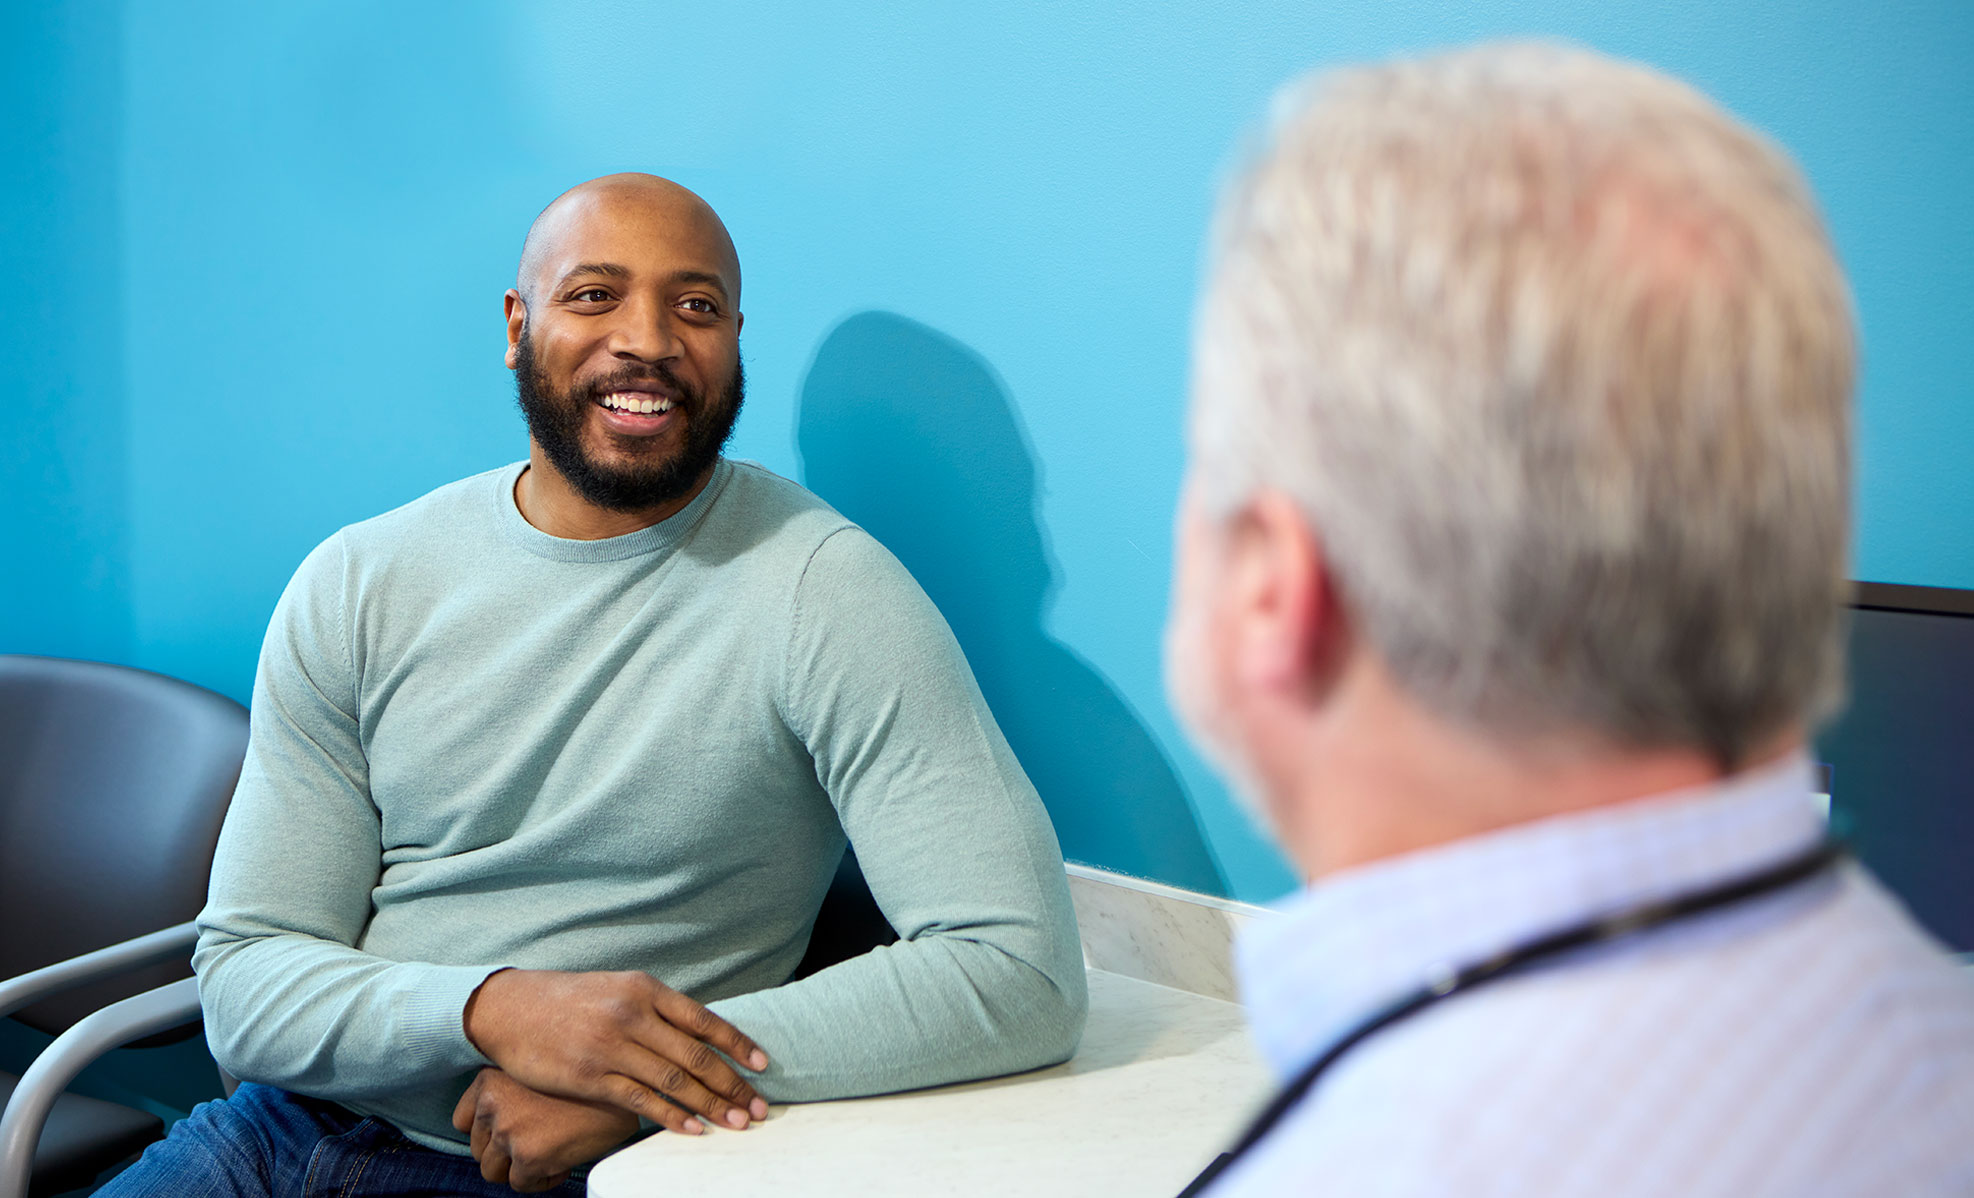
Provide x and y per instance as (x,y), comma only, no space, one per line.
(783,703)
(347,636)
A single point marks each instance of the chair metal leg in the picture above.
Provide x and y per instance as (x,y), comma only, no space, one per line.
(146,1014)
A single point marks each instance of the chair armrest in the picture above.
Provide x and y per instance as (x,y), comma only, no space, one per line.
(146,1014)
(17,992)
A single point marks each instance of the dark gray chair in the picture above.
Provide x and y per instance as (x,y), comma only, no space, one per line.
(113,785)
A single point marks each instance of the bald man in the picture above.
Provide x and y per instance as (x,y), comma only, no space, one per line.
(551,768)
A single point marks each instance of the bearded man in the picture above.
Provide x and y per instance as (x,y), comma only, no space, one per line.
(551,768)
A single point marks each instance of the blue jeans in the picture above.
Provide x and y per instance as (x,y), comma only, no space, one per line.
(268,1143)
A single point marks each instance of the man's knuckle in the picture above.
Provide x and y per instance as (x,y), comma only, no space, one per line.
(671,1079)
(699,1058)
(592,1067)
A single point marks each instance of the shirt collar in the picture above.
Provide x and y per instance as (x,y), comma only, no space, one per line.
(653,539)
(1339,950)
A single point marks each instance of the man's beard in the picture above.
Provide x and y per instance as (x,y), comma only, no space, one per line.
(556,420)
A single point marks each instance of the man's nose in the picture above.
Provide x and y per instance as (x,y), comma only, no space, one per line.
(646,331)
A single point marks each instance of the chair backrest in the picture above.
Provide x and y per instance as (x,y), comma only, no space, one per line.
(113,783)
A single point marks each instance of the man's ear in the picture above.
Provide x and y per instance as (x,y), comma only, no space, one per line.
(1288,627)
(517,317)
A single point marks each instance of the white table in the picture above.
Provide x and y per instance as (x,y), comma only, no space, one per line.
(1163,1081)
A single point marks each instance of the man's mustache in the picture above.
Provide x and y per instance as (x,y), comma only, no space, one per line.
(658,378)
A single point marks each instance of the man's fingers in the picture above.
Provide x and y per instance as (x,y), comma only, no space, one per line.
(693,1074)
(482,1138)
(494,1165)
(656,1072)
(696,1057)
(523,1176)
(630,1094)
(530,1141)
(701,1024)
(469,1102)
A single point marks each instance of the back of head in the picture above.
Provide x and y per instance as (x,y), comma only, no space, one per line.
(1557,360)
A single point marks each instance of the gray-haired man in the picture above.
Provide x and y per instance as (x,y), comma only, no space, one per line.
(1511,569)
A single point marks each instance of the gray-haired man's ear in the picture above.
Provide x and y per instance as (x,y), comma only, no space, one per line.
(1287,628)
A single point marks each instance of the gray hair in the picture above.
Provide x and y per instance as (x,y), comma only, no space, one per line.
(1557,359)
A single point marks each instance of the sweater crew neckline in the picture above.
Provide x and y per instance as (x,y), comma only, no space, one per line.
(661,537)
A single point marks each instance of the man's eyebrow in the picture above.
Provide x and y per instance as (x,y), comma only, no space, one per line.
(703,277)
(597,268)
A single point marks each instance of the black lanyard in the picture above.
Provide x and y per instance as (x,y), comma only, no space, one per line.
(1629,922)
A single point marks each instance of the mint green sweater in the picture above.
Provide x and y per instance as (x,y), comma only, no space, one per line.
(476,745)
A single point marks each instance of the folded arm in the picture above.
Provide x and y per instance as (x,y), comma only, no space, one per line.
(289,1000)
(987,977)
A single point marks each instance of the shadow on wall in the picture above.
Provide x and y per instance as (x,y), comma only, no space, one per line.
(913,436)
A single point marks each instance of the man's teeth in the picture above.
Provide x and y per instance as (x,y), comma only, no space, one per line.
(625,401)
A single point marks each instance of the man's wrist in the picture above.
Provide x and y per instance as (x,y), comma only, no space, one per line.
(475,1021)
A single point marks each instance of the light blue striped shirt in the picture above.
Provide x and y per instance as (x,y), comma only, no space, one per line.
(1811,1042)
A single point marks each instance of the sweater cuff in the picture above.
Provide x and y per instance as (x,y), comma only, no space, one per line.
(434,1024)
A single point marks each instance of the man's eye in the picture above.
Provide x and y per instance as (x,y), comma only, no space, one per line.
(697,304)
(591,295)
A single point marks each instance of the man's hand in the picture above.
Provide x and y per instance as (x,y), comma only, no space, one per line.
(531,1141)
(625,1039)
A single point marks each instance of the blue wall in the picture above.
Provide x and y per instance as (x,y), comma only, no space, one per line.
(65,539)
(255,256)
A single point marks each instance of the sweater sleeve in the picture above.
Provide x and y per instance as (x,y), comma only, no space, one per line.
(288,999)
(987,977)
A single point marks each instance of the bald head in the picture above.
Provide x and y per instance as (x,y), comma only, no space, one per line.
(562,236)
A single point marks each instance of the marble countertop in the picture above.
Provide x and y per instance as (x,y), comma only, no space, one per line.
(1164,1080)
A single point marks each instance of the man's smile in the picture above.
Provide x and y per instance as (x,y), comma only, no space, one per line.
(635,401)
(634,412)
